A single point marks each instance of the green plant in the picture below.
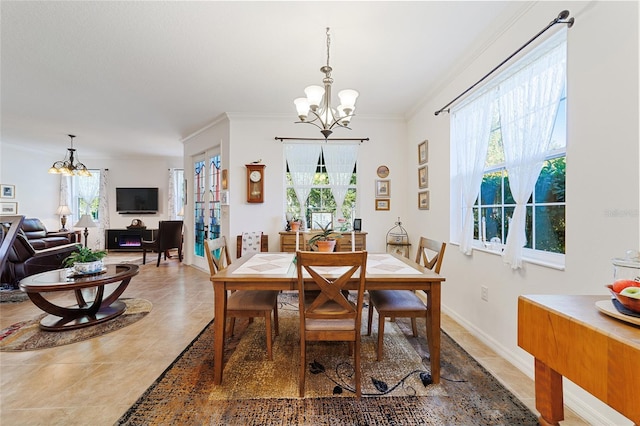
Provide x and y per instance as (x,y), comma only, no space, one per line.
(326,234)
(84,254)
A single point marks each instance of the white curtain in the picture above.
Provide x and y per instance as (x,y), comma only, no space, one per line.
(340,159)
(175,202)
(103,207)
(65,194)
(88,189)
(302,160)
(470,130)
(528,105)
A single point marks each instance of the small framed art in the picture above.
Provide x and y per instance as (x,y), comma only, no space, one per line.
(7,191)
(224,198)
(423,152)
(383,204)
(383,172)
(423,177)
(8,208)
(423,200)
(383,188)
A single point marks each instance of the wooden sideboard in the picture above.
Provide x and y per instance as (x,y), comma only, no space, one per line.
(288,241)
(569,337)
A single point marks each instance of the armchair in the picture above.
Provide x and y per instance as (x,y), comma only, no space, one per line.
(169,237)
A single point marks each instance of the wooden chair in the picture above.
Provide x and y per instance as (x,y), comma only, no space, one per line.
(243,303)
(247,243)
(406,303)
(330,316)
(169,237)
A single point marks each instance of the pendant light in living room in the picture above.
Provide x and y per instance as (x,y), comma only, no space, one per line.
(318,103)
(67,166)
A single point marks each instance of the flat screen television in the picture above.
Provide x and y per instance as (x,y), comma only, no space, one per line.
(136,200)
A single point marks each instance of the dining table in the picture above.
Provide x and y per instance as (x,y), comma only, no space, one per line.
(277,271)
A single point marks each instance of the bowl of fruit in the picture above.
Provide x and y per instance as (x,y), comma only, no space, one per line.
(627,292)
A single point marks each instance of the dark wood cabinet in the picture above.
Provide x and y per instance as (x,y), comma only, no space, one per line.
(128,239)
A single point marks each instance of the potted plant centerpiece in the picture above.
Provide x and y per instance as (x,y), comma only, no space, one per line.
(325,240)
(85,260)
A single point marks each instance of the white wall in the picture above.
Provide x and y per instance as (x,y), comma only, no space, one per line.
(603,183)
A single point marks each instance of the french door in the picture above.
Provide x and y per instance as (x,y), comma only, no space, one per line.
(206,204)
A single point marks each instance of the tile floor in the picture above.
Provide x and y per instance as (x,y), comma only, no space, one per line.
(96,381)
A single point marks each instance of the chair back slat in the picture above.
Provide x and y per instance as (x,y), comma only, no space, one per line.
(217,254)
(430,254)
(330,302)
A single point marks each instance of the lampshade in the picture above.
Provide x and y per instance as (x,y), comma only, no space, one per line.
(63,210)
(86,221)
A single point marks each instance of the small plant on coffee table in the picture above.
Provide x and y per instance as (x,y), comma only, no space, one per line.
(84,255)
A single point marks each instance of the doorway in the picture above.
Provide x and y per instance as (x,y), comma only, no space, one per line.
(207,178)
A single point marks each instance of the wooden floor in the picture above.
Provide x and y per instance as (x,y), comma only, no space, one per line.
(96,381)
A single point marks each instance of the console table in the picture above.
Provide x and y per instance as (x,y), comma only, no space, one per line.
(128,239)
(288,241)
(570,337)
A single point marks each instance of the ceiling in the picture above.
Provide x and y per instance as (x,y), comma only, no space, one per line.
(136,77)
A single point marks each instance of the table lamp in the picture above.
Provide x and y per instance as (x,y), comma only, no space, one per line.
(86,221)
(63,211)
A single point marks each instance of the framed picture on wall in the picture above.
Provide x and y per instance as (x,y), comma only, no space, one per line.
(423,153)
(7,191)
(383,188)
(423,177)
(423,200)
(224,198)
(383,204)
(8,208)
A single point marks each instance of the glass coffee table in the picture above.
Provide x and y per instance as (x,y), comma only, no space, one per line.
(96,295)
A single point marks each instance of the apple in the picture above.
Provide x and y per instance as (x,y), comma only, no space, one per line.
(620,285)
(633,292)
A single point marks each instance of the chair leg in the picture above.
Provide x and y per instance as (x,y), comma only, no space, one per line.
(380,335)
(275,320)
(159,254)
(414,328)
(357,367)
(303,365)
(144,256)
(267,322)
(230,325)
(370,319)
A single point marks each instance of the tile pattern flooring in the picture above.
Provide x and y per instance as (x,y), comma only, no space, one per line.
(96,381)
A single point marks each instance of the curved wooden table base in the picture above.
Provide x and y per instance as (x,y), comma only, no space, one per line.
(93,305)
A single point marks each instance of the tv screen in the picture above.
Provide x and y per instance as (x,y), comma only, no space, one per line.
(137,200)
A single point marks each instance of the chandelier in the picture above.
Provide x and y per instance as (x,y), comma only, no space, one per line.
(318,103)
(67,167)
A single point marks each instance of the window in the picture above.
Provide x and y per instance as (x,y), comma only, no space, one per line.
(545,223)
(86,195)
(509,160)
(321,204)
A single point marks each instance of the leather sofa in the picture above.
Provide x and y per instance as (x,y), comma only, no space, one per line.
(40,238)
(23,260)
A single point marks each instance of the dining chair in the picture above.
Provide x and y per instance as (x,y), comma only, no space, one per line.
(251,242)
(406,303)
(169,237)
(243,303)
(330,316)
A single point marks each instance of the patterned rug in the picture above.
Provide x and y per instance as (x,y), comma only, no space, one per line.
(27,335)
(256,391)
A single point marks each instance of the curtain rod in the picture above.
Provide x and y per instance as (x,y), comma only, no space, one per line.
(561,19)
(281,139)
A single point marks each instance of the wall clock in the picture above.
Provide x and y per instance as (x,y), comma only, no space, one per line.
(255,183)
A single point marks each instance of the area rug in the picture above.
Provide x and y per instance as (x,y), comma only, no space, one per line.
(12,296)
(27,335)
(256,391)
